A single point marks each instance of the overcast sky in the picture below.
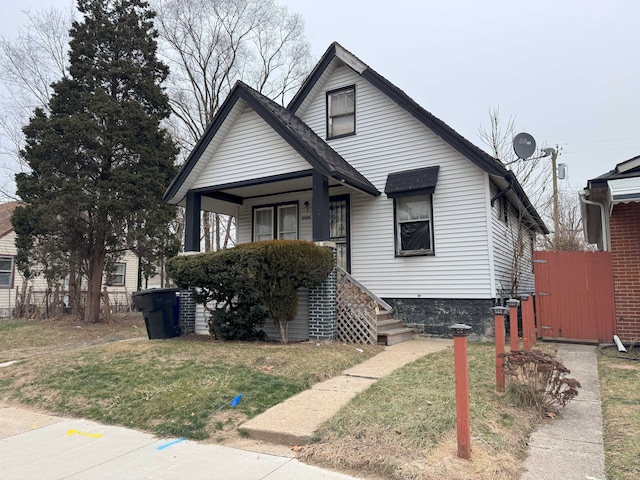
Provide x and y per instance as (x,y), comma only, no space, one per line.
(567,70)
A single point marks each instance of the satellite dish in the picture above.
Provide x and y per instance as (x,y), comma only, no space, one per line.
(524,145)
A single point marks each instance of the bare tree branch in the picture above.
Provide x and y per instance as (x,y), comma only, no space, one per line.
(29,64)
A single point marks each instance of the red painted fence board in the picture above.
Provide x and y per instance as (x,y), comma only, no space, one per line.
(574,295)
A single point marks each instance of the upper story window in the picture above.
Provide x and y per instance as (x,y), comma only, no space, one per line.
(275,221)
(341,112)
(6,272)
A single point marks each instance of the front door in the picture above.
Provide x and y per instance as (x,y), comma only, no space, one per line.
(339,230)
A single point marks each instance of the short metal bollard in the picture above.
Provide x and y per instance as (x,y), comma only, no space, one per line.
(463,423)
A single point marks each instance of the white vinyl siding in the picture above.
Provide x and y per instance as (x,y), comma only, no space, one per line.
(389,139)
(505,252)
(252,149)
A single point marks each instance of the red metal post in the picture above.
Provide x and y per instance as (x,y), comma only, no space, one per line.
(463,423)
(532,322)
(513,323)
(527,321)
(498,316)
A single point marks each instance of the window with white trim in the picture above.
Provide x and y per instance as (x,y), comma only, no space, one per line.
(262,224)
(414,226)
(341,112)
(288,222)
(117,275)
(6,272)
(275,221)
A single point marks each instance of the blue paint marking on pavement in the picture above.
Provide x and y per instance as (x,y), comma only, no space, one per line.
(168,444)
(236,401)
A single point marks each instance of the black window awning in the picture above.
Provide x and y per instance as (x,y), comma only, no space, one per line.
(412,182)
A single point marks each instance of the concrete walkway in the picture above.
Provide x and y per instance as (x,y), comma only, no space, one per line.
(35,445)
(571,447)
(294,421)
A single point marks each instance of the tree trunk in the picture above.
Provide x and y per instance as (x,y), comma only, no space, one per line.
(227,233)
(216,216)
(96,270)
(206,225)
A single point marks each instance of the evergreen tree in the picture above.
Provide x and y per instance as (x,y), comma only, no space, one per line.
(100,161)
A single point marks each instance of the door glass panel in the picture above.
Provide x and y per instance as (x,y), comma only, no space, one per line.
(338,231)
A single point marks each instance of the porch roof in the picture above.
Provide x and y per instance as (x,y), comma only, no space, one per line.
(320,156)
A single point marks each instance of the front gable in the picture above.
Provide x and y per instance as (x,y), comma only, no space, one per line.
(250,150)
(388,119)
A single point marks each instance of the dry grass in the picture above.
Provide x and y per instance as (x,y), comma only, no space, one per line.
(619,389)
(175,387)
(403,427)
(24,338)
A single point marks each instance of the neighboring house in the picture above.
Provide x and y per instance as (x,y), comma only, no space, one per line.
(611,219)
(122,282)
(420,216)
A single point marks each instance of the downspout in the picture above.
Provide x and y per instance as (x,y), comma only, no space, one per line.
(605,243)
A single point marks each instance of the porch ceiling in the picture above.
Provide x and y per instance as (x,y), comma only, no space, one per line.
(230,196)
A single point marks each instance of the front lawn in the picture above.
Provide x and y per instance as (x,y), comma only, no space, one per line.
(404,426)
(178,387)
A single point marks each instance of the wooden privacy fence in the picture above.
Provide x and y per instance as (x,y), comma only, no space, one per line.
(574,296)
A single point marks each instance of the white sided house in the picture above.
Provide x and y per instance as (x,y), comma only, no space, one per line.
(15,289)
(424,222)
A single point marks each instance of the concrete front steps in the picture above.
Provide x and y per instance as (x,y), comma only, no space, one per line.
(392,331)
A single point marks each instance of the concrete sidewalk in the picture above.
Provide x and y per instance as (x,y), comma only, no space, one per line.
(34,445)
(571,447)
(50,448)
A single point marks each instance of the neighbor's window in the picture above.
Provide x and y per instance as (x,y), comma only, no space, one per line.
(6,272)
(341,112)
(275,221)
(117,275)
(414,229)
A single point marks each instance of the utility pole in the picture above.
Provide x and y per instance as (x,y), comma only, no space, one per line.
(554,171)
(556,219)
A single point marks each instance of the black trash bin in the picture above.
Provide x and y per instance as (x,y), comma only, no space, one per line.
(158,308)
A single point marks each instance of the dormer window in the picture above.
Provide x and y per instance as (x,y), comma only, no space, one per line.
(341,112)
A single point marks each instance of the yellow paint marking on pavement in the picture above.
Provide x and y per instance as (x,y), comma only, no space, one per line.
(84,434)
